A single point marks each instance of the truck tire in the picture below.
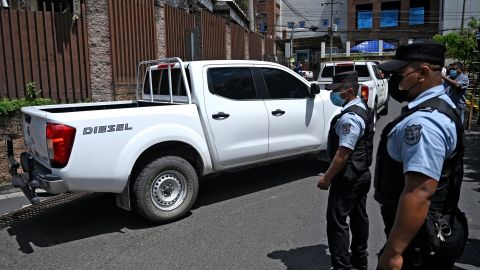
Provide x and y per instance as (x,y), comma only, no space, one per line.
(165,189)
(375,113)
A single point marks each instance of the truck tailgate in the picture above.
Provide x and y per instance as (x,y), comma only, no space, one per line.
(34,125)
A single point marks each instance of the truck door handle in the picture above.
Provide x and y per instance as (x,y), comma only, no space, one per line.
(220,116)
(278,112)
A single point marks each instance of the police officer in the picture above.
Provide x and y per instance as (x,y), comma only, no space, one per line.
(350,144)
(419,166)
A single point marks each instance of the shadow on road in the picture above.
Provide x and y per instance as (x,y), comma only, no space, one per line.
(69,217)
(231,185)
(472,159)
(305,258)
(64,219)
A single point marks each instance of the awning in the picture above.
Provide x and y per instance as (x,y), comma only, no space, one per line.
(371,46)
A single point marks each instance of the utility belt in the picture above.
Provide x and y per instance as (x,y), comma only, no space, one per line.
(443,236)
(446,233)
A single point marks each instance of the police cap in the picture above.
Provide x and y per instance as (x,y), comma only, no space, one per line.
(340,79)
(432,53)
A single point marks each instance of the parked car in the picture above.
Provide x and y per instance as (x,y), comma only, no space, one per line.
(373,84)
(189,120)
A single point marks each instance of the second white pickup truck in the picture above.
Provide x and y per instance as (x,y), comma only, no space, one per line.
(189,120)
(373,84)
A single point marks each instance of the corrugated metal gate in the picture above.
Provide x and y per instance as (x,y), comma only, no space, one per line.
(213,37)
(238,42)
(49,47)
(132,29)
(179,24)
(255,46)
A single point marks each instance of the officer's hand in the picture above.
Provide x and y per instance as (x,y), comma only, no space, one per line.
(386,262)
(323,183)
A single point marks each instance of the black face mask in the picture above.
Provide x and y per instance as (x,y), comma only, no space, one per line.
(393,84)
(393,90)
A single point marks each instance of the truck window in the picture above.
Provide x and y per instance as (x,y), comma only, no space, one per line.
(362,70)
(281,84)
(378,73)
(160,82)
(233,83)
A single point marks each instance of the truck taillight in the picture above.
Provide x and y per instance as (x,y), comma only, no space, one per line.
(59,142)
(364,92)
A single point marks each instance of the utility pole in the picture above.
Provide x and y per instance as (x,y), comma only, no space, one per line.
(251,15)
(331,24)
(463,16)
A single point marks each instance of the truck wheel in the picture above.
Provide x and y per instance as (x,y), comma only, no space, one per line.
(165,189)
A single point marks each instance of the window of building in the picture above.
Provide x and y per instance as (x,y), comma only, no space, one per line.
(389,14)
(337,22)
(418,13)
(290,25)
(364,16)
(232,83)
(281,84)
(325,22)
(416,16)
(389,18)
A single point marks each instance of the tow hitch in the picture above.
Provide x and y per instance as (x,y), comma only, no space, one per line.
(24,181)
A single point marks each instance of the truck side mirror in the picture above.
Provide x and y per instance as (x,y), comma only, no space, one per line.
(314,89)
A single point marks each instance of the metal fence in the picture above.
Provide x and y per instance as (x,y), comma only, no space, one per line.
(132,29)
(47,47)
(255,46)
(213,36)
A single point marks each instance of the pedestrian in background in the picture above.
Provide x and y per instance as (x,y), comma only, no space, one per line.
(456,84)
(350,144)
(419,167)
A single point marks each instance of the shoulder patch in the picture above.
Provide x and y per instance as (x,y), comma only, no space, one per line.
(413,134)
(346,128)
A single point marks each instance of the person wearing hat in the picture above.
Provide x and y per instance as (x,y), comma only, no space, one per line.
(350,145)
(419,166)
(456,85)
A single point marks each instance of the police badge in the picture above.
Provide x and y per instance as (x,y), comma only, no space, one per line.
(413,134)
(346,128)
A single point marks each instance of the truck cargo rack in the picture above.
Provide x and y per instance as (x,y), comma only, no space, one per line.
(145,69)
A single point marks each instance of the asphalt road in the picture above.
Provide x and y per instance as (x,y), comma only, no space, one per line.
(265,218)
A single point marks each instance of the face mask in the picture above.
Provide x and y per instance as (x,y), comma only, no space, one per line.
(394,90)
(453,73)
(336,99)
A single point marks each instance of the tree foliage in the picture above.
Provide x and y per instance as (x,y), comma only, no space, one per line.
(461,44)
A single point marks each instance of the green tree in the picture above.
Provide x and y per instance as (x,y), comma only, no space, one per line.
(243,4)
(461,44)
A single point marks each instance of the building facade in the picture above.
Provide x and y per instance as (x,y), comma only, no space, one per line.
(396,22)
(452,12)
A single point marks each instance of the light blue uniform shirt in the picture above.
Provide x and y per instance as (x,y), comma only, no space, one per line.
(350,126)
(423,140)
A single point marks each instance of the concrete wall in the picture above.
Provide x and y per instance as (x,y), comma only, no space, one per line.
(99,49)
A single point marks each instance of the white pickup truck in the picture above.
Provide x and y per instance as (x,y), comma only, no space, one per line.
(189,120)
(373,84)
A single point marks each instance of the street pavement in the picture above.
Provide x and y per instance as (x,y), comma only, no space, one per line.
(271,217)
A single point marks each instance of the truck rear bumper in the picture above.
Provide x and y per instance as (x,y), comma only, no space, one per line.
(35,175)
